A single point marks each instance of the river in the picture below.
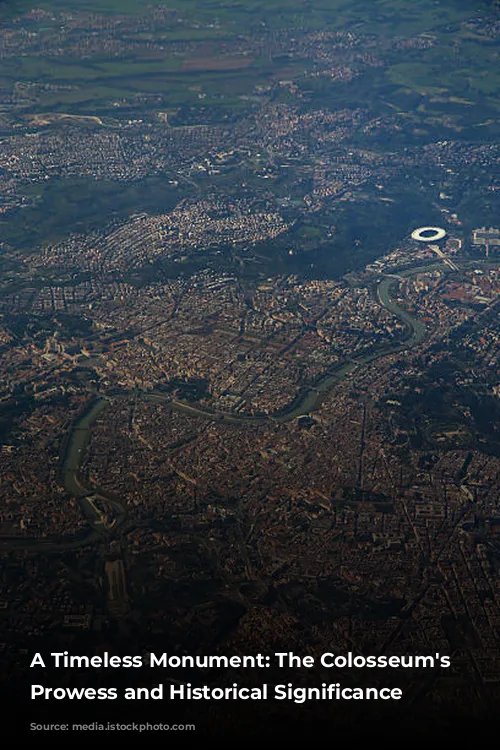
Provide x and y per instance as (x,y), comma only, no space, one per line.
(307,403)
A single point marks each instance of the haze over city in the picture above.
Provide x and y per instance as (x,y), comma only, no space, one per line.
(249,355)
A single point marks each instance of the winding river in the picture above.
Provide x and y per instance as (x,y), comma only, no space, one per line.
(306,403)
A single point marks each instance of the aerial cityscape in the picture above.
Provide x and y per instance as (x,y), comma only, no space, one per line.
(250,345)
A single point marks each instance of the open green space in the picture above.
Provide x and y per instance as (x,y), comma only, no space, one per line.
(82,204)
(458,64)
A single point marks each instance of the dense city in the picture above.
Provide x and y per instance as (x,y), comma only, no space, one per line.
(249,339)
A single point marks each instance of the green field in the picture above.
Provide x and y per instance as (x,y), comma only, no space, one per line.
(218,62)
(197,29)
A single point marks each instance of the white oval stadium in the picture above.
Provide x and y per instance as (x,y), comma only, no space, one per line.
(428,234)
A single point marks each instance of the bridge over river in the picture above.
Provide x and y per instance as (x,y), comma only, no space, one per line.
(308,401)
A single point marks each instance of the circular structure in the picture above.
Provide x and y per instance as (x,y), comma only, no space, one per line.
(428,234)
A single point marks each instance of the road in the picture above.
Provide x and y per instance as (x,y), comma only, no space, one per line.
(308,402)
